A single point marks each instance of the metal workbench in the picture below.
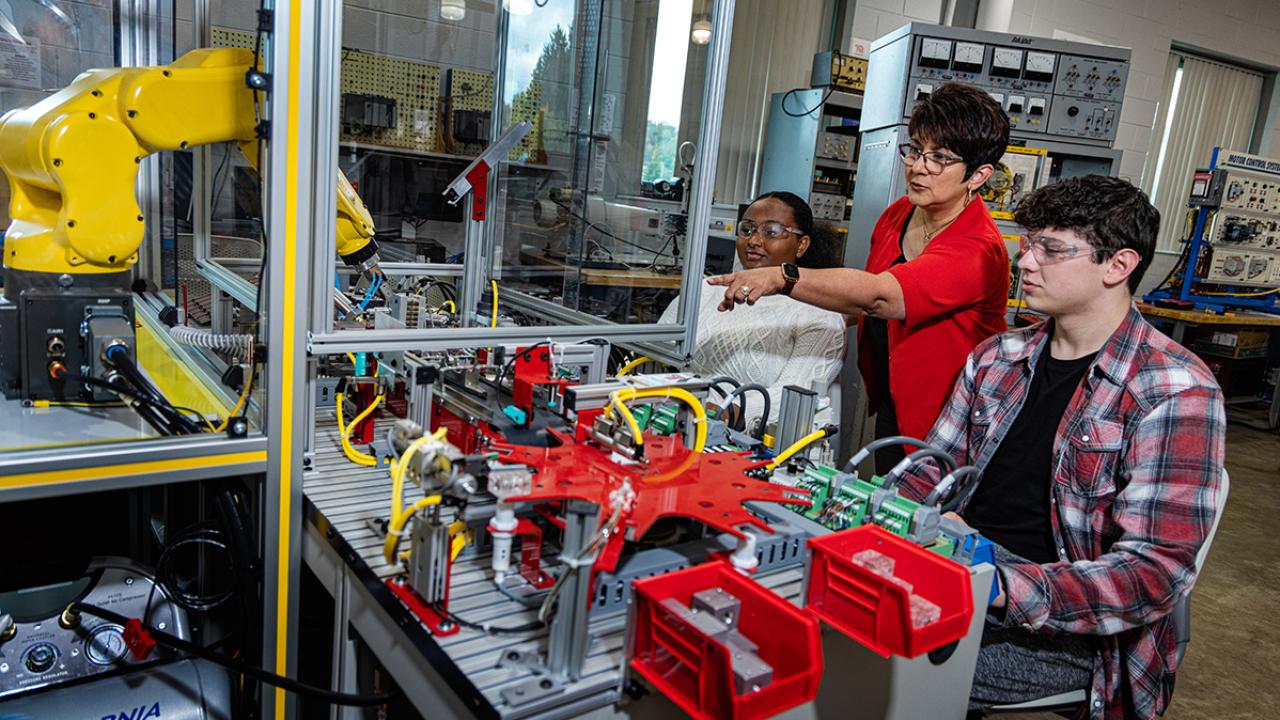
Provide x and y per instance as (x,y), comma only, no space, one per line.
(339,545)
(460,676)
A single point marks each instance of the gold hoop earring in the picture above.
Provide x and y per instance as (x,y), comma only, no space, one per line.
(968,194)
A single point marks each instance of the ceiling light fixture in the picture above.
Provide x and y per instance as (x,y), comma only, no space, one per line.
(701,34)
(453,9)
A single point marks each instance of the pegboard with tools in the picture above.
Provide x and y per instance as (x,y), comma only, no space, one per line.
(413,105)
(413,87)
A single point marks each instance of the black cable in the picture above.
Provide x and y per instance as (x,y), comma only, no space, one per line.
(821,102)
(943,459)
(530,627)
(262,226)
(1177,265)
(122,362)
(657,255)
(154,415)
(719,380)
(198,417)
(880,444)
(742,419)
(243,668)
(447,289)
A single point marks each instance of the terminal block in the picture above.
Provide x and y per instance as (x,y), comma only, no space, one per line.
(659,419)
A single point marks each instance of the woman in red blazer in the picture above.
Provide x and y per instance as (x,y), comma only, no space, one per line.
(937,278)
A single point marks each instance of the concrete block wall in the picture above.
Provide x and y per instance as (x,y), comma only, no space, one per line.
(1242,29)
(1245,30)
(82,37)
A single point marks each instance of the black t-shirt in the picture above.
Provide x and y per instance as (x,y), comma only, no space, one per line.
(1011,505)
(877,336)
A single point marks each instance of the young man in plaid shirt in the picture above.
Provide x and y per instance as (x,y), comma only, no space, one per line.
(1100,442)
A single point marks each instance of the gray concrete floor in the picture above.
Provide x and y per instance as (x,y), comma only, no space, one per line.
(1230,667)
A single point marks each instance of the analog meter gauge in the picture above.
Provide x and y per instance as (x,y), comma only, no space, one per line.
(1039,66)
(969,57)
(1006,62)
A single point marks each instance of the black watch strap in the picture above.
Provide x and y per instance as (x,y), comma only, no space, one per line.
(790,276)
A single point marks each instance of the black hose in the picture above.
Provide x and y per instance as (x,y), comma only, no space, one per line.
(719,380)
(768,404)
(958,500)
(140,404)
(943,487)
(880,444)
(122,362)
(895,475)
(530,627)
(190,648)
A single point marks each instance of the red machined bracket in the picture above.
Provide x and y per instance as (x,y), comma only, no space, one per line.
(548,512)
(398,400)
(440,625)
(362,432)
(533,369)
(479,179)
(586,424)
(459,432)
(138,640)
(708,487)
(531,554)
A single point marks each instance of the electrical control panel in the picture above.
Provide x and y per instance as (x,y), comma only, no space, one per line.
(826,206)
(1231,258)
(1091,78)
(1253,269)
(1246,192)
(1046,86)
(1029,113)
(833,146)
(1083,118)
(847,73)
(1246,232)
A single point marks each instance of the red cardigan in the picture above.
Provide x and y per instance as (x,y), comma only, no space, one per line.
(956,296)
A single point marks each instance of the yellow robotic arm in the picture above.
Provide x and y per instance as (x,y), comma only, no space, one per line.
(72,160)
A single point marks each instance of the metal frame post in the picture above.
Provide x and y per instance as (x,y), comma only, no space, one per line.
(342,669)
(293,174)
(140,46)
(202,161)
(473,262)
(567,644)
(704,169)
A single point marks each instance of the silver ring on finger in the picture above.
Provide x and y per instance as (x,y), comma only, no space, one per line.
(745,291)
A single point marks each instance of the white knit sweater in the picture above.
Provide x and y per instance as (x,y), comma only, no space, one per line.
(776,342)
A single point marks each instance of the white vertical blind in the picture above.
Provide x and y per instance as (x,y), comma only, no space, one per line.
(1213,105)
(772,51)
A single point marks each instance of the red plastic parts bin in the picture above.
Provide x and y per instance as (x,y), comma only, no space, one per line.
(875,610)
(694,671)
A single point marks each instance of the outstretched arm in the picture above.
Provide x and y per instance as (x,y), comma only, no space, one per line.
(842,290)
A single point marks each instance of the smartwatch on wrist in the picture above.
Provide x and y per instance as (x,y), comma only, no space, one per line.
(790,276)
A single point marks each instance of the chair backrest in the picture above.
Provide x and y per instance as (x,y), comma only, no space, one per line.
(1182,611)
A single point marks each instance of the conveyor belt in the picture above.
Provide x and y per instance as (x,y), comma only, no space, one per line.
(341,497)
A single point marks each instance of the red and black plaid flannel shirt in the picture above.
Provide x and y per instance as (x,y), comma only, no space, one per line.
(1138,461)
